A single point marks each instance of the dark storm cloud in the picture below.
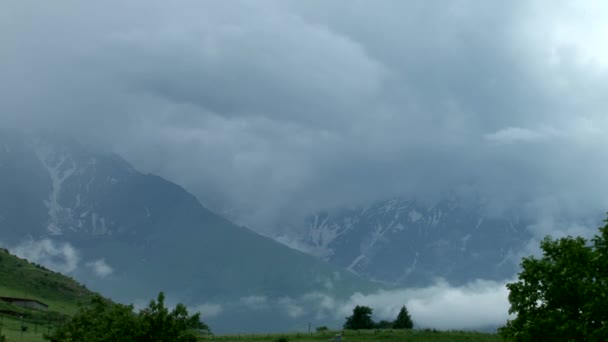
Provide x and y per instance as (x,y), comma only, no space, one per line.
(275,108)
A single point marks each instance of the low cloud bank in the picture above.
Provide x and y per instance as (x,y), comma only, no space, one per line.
(476,305)
(480,304)
(58,256)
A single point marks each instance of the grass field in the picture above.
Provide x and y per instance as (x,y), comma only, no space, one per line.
(11,329)
(368,336)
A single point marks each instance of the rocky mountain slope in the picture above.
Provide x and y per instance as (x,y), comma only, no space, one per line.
(405,242)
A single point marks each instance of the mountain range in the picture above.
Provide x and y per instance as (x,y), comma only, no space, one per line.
(130,235)
(412,243)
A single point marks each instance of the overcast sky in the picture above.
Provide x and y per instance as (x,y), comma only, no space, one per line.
(274,108)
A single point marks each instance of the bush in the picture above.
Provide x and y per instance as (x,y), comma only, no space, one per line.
(322,328)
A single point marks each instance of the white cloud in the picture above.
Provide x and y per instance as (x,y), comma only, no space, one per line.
(473,306)
(511,135)
(100,268)
(578,31)
(479,304)
(291,307)
(58,256)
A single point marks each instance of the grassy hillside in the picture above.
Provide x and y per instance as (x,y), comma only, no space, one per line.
(367,336)
(20,278)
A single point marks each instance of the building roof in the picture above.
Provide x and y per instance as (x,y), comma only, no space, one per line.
(16,299)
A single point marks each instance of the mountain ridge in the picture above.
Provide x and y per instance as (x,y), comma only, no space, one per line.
(410,243)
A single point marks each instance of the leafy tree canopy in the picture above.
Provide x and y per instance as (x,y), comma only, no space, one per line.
(102,321)
(563,295)
(360,319)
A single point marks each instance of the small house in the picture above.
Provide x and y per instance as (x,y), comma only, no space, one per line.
(25,303)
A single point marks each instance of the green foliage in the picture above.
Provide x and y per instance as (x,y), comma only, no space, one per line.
(100,321)
(103,321)
(360,319)
(322,328)
(158,324)
(403,320)
(562,296)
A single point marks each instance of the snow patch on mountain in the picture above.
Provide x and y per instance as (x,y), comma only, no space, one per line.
(322,234)
(414,216)
(60,167)
(405,242)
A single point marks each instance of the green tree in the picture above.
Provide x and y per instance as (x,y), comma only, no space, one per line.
(360,319)
(102,321)
(562,296)
(404,320)
(158,324)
